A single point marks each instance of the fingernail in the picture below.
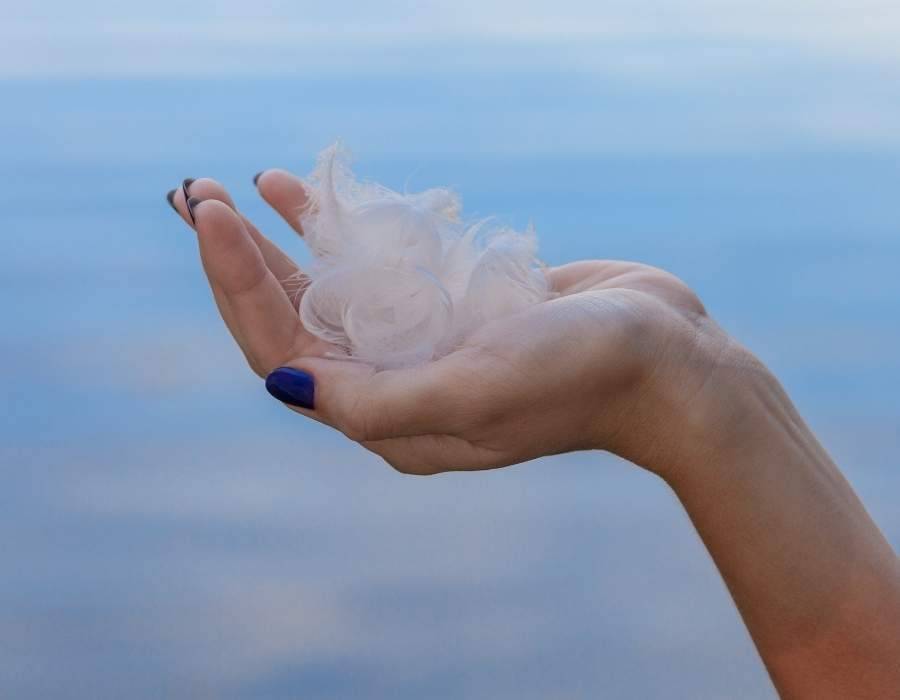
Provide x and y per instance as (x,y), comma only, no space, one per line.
(256,177)
(292,386)
(186,186)
(191,203)
(170,196)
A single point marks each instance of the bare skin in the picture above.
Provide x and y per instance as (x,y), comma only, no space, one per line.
(623,359)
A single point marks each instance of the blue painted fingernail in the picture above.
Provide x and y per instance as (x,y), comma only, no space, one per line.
(292,386)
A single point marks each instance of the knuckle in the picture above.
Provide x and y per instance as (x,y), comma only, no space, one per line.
(367,418)
(360,426)
(351,426)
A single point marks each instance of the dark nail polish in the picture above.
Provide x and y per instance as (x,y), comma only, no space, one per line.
(186,187)
(191,203)
(170,197)
(292,386)
(256,177)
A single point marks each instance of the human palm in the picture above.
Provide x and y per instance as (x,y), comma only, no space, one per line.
(578,371)
(622,358)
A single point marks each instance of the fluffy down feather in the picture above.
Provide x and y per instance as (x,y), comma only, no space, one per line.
(400,279)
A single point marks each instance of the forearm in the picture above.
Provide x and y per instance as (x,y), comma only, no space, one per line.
(815,581)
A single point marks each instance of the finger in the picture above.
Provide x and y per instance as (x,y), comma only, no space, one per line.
(283,268)
(265,322)
(285,193)
(369,406)
(179,204)
(578,276)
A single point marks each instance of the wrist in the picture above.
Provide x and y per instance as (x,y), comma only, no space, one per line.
(816,583)
(714,400)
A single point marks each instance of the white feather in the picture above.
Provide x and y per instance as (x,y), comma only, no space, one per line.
(400,279)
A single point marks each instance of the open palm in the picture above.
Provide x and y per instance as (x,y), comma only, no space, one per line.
(571,373)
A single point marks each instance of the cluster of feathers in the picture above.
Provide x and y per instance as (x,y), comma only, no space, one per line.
(401,279)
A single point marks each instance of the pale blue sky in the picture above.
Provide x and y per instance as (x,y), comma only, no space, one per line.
(752,75)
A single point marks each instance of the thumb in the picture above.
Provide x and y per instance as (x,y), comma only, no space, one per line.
(365,404)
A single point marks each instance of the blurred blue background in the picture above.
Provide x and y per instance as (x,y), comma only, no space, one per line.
(168,530)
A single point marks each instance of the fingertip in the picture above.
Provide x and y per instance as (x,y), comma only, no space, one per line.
(186,187)
(207,188)
(185,198)
(295,387)
(213,219)
(285,192)
(230,257)
(215,212)
(276,181)
(192,203)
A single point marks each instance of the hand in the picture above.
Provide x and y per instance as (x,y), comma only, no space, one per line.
(601,365)
(623,359)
